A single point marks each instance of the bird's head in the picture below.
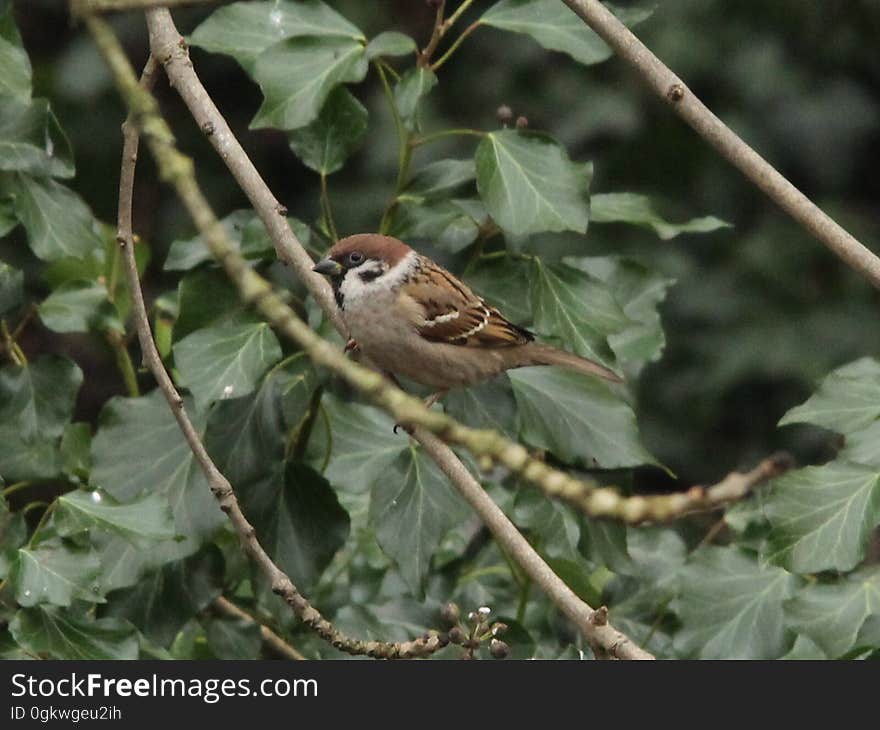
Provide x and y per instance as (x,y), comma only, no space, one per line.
(366,255)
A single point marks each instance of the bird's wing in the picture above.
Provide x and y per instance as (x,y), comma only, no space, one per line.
(444,309)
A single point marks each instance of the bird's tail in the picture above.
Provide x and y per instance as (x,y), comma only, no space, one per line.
(546,355)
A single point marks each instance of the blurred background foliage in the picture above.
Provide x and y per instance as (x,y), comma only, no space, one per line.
(759,312)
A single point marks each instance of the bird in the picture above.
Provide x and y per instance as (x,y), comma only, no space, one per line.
(411,317)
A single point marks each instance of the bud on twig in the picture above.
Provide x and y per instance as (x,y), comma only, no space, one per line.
(504,114)
(522,122)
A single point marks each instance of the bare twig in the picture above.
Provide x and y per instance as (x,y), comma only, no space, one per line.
(220,486)
(673,90)
(83,7)
(269,637)
(167,45)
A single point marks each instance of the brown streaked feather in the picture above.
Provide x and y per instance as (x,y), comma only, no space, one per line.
(446,310)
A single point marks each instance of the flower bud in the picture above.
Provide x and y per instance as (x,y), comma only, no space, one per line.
(498,649)
(450,613)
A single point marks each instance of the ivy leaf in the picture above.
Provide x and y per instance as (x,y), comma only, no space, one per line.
(246,436)
(208,298)
(186,254)
(411,509)
(365,447)
(234,639)
(11,288)
(834,615)
(36,403)
(56,573)
(731,607)
(822,516)
(138,450)
(443,223)
(863,446)
(80,306)
(13,534)
(8,221)
(847,401)
(225,361)
(297,75)
(556,27)
(485,405)
(58,223)
(639,291)
(160,604)
(438,179)
(576,308)
(244,30)
(15,67)
(413,86)
(63,634)
(390,43)
(577,417)
(299,520)
(553,524)
(326,143)
(530,185)
(142,522)
(76,443)
(31,140)
(639,210)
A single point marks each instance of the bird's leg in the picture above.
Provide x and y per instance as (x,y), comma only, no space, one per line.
(352,346)
(434,397)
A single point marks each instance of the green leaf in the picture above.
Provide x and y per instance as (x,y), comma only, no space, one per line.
(299,520)
(36,401)
(485,405)
(438,179)
(731,607)
(139,450)
(822,516)
(244,30)
(11,288)
(364,445)
(13,534)
(639,210)
(63,634)
(208,298)
(639,290)
(246,436)
(297,75)
(142,522)
(185,254)
(160,604)
(847,401)
(56,573)
(57,221)
(15,67)
(31,139)
(834,615)
(390,43)
(577,417)
(556,27)
(530,185)
(553,526)
(76,444)
(80,306)
(234,639)
(863,446)
(443,223)
(413,86)
(411,508)
(8,221)
(340,129)
(575,308)
(225,361)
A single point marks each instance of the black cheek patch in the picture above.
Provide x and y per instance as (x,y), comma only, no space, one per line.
(370,274)
(339,297)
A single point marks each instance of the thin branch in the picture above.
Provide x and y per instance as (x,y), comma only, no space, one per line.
(436,34)
(673,90)
(269,637)
(164,39)
(145,111)
(84,7)
(454,47)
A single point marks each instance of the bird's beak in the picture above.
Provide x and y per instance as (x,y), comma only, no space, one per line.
(328,267)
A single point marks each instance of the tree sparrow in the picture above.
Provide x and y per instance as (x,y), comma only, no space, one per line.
(411,317)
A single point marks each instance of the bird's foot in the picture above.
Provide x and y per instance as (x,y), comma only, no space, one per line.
(429,401)
(352,346)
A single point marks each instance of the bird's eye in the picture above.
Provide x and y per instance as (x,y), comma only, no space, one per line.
(355,257)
